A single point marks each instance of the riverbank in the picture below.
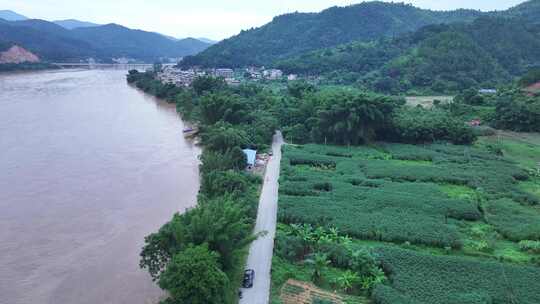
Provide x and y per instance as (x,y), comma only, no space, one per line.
(228,197)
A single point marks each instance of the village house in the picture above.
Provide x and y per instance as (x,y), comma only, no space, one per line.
(225,73)
(273,74)
(292,77)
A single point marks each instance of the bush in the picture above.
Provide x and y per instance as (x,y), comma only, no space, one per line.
(484,131)
(288,247)
(517,112)
(219,183)
(530,246)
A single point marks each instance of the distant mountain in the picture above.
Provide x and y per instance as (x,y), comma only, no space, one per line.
(53,42)
(118,41)
(209,41)
(47,40)
(293,34)
(11,15)
(73,24)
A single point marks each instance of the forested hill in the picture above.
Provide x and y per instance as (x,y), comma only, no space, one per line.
(55,43)
(437,58)
(296,33)
(529,11)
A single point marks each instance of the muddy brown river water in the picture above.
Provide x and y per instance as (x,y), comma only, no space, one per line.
(88,167)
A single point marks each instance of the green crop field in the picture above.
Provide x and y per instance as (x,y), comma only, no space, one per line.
(444,221)
(428,101)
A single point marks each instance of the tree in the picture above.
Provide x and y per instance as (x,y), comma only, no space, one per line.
(218,183)
(222,137)
(517,112)
(194,276)
(222,223)
(232,159)
(223,106)
(208,84)
(347,280)
(350,117)
(299,89)
(319,262)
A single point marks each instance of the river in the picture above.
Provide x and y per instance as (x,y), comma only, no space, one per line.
(88,166)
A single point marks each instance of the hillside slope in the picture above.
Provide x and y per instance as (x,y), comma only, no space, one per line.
(441,58)
(11,15)
(296,33)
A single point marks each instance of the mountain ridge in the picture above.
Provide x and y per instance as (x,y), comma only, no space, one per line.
(74,23)
(54,42)
(10,15)
(292,34)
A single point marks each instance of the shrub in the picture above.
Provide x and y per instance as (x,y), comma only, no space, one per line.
(530,246)
(218,183)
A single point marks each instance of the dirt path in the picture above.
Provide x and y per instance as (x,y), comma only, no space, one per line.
(260,252)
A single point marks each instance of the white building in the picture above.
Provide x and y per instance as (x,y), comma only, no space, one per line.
(292,77)
(273,74)
(225,73)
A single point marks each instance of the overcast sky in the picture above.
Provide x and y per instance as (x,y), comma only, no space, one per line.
(202,18)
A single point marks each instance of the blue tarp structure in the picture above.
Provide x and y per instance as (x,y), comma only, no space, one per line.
(251,155)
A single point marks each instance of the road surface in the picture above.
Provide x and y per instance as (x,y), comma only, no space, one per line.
(260,252)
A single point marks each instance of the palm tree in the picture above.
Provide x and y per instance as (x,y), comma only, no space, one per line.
(347,280)
(319,261)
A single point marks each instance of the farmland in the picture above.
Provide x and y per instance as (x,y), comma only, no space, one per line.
(444,223)
(428,101)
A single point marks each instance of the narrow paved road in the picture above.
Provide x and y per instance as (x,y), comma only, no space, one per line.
(260,252)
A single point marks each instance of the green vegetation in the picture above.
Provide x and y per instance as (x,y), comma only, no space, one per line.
(532,77)
(517,112)
(296,33)
(198,256)
(350,116)
(443,223)
(424,278)
(434,59)
(349,213)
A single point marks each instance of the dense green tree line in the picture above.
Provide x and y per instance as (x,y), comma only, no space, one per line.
(350,116)
(197,256)
(511,108)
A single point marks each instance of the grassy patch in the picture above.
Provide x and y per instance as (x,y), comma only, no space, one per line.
(523,148)
(459,192)
(428,101)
